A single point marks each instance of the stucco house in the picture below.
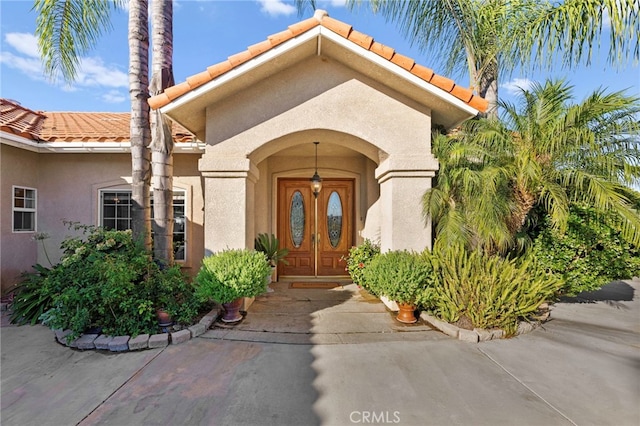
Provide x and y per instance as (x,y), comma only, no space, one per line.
(76,166)
(246,150)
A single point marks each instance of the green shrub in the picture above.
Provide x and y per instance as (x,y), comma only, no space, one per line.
(487,290)
(590,254)
(105,280)
(29,302)
(230,274)
(172,291)
(402,276)
(358,260)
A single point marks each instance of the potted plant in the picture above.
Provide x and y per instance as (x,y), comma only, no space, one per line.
(402,276)
(228,276)
(270,246)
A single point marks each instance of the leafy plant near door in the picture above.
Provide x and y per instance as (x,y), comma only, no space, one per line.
(404,277)
(230,275)
(357,261)
(270,246)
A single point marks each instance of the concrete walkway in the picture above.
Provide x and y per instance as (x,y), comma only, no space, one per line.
(581,368)
(344,314)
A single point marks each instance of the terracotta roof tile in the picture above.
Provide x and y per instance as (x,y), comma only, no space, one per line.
(478,103)
(21,121)
(259,48)
(382,50)
(404,61)
(361,39)
(177,90)
(422,72)
(303,26)
(444,83)
(72,126)
(336,26)
(280,37)
(199,79)
(462,93)
(158,101)
(239,58)
(344,30)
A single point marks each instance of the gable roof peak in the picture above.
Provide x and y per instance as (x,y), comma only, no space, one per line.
(319,14)
(321,19)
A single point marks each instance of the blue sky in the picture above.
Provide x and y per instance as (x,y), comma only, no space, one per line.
(207,32)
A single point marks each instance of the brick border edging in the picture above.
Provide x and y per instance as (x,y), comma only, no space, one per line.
(140,342)
(477,334)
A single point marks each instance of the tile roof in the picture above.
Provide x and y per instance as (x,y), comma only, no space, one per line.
(21,121)
(72,126)
(320,18)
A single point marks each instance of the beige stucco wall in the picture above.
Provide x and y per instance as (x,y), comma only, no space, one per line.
(68,190)
(18,251)
(322,95)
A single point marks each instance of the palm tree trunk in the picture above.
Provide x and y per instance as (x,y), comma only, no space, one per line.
(139,126)
(162,143)
(488,88)
(525,201)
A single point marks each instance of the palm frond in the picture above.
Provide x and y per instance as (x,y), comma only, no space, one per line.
(68,29)
(574,27)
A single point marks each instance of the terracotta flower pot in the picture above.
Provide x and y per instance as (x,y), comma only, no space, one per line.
(164,319)
(406,313)
(232,311)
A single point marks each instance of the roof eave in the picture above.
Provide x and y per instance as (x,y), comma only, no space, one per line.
(173,108)
(88,147)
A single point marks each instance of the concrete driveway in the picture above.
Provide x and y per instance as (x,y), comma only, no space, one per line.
(581,368)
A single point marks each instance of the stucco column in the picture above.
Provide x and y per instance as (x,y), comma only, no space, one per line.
(403,181)
(229,186)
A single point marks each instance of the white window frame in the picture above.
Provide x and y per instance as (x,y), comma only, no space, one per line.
(101,195)
(15,209)
(182,192)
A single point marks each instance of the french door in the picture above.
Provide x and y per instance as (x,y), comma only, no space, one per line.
(317,231)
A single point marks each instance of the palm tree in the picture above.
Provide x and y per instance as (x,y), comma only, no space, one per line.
(498,176)
(69,28)
(161,141)
(140,130)
(66,30)
(491,37)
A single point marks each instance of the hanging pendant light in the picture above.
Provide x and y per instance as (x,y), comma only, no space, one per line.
(316,182)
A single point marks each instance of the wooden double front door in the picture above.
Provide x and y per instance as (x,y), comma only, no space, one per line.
(317,231)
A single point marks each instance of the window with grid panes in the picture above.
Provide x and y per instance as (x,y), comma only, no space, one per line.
(24,209)
(116,214)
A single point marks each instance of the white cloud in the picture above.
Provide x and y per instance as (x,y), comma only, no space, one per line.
(516,85)
(24,43)
(32,67)
(93,72)
(276,7)
(114,97)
